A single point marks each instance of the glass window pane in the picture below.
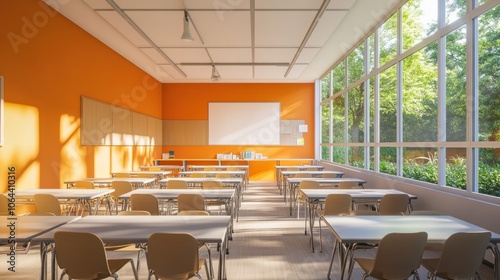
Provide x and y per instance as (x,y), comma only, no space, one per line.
(325,122)
(356,157)
(420,96)
(339,154)
(355,64)
(455,9)
(388,156)
(388,102)
(489,68)
(326,86)
(356,114)
(338,78)
(419,21)
(371,52)
(456,168)
(326,152)
(338,119)
(421,164)
(388,40)
(372,111)
(372,159)
(456,95)
(489,171)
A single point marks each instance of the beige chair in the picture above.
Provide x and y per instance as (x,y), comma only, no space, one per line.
(4,205)
(214,185)
(144,202)
(335,204)
(154,169)
(462,254)
(302,199)
(81,255)
(209,169)
(190,202)
(394,204)
(129,247)
(398,257)
(174,256)
(201,244)
(120,187)
(347,185)
(48,203)
(177,184)
(82,184)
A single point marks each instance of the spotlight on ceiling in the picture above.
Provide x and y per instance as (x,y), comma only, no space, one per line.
(186,35)
(215,74)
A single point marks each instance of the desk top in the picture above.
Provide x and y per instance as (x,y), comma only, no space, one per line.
(214,172)
(371,229)
(293,180)
(312,172)
(320,194)
(174,193)
(64,193)
(217,167)
(137,229)
(300,167)
(230,180)
(158,173)
(162,167)
(107,181)
(28,227)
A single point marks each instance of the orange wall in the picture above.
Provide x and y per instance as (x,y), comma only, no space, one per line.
(190,102)
(48,63)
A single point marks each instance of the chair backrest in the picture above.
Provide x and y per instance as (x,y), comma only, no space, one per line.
(4,205)
(212,185)
(121,187)
(189,202)
(222,175)
(347,185)
(172,255)
(338,204)
(462,255)
(82,184)
(81,255)
(209,168)
(363,212)
(198,175)
(303,175)
(154,169)
(177,184)
(193,213)
(144,202)
(122,175)
(398,255)
(233,169)
(47,203)
(394,204)
(145,175)
(133,213)
(305,184)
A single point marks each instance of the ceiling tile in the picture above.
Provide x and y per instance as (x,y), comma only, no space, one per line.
(281,29)
(229,29)
(288,4)
(325,27)
(98,4)
(154,55)
(187,55)
(296,71)
(219,5)
(230,55)
(172,72)
(270,72)
(235,72)
(149,4)
(307,55)
(274,54)
(124,28)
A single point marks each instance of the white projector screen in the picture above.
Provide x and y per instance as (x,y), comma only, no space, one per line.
(243,123)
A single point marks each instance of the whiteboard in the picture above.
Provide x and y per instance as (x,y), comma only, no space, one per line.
(243,123)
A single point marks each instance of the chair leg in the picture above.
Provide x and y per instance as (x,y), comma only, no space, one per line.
(134,270)
(320,237)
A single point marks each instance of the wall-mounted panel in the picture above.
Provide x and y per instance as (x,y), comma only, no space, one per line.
(96,122)
(185,132)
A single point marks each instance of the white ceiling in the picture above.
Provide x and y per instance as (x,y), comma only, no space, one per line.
(247,40)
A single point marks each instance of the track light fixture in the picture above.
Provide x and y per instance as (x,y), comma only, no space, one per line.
(186,35)
(215,74)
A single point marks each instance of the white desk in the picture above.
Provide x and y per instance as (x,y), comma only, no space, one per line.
(315,196)
(106,182)
(163,167)
(134,174)
(28,227)
(280,168)
(227,195)
(137,229)
(371,229)
(87,196)
(293,185)
(238,182)
(223,168)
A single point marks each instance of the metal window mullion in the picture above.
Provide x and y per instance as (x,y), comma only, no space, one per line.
(366,154)
(441,114)
(346,115)
(472,99)
(376,105)
(399,97)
